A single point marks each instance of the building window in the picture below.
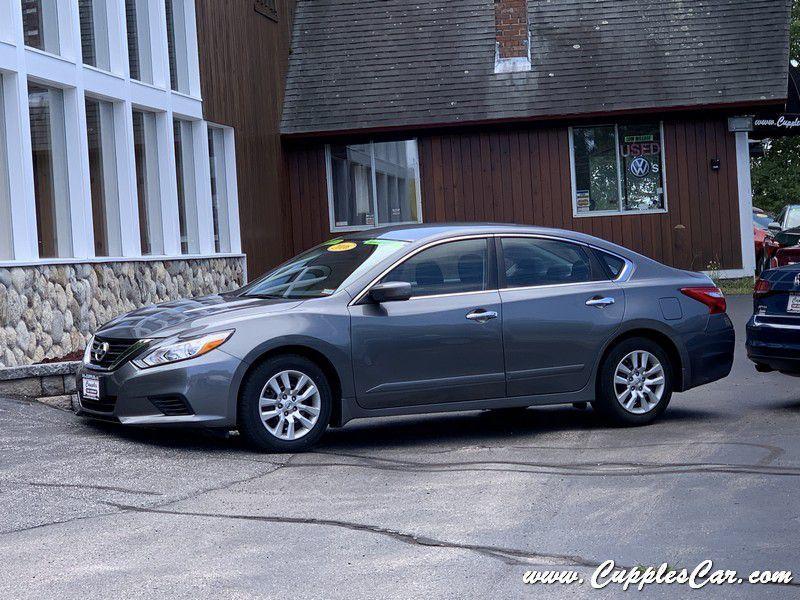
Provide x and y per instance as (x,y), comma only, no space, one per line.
(48,144)
(373,184)
(103,177)
(94,33)
(40,24)
(140,62)
(6,233)
(145,151)
(177,45)
(219,189)
(618,169)
(187,205)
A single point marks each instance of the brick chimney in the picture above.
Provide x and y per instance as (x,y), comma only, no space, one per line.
(512,36)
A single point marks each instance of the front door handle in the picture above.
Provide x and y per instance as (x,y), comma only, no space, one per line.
(600,302)
(481,316)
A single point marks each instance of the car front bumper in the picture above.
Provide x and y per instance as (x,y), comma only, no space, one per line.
(774,345)
(193,393)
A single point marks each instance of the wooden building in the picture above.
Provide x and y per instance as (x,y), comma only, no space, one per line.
(607,117)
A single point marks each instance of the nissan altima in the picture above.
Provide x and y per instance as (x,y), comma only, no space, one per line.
(415,319)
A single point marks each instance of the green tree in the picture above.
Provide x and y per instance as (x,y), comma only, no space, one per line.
(776,175)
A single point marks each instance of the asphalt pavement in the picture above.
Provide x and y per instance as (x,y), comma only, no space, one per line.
(445,506)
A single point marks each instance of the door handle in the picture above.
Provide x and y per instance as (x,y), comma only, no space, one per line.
(600,302)
(481,316)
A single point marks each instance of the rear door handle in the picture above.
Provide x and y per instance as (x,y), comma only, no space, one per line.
(481,316)
(600,302)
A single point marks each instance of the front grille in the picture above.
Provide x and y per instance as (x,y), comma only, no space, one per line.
(105,405)
(108,354)
(172,406)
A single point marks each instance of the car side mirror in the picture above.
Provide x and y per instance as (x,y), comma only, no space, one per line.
(391,291)
(774,227)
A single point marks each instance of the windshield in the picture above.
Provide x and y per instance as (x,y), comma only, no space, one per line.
(323,270)
(762,219)
(793,218)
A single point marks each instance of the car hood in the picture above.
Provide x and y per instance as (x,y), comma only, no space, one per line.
(184,316)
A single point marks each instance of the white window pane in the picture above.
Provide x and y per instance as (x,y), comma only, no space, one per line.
(40,24)
(103,177)
(396,177)
(177,45)
(145,150)
(137,17)
(596,177)
(642,168)
(6,233)
(94,33)
(48,143)
(187,204)
(351,180)
(219,189)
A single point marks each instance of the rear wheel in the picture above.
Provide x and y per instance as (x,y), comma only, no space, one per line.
(285,405)
(635,382)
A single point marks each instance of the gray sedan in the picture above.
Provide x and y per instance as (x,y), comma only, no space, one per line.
(416,319)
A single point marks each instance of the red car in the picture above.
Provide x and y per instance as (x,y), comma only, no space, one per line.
(766,246)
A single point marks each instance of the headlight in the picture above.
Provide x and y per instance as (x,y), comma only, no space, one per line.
(182,350)
(87,354)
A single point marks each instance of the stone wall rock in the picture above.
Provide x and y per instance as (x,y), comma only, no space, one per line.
(48,311)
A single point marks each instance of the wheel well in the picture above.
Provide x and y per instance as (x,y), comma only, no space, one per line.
(317,358)
(662,340)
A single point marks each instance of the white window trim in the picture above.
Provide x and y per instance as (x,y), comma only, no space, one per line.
(353,228)
(66,71)
(620,211)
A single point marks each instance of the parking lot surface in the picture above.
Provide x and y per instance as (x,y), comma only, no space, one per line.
(445,506)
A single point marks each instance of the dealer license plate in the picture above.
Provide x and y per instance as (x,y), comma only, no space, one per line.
(91,387)
(794,303)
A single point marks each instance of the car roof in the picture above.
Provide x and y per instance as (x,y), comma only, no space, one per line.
(424,231)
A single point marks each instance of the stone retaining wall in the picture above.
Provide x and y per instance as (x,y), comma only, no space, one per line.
(48,311)
(53,383)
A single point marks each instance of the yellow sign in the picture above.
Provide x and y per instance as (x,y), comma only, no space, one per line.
(343,247)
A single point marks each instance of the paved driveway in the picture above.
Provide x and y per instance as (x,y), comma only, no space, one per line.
(449,506)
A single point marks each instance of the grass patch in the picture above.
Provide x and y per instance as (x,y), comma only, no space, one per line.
(735,286)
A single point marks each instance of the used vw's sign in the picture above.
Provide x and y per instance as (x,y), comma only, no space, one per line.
(640,167)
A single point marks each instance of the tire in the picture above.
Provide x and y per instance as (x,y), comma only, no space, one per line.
(273,433)
(637,410)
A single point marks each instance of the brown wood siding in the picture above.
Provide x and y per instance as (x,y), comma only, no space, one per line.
(243,61)
(522,175)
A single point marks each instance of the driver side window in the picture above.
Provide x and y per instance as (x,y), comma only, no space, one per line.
(449,268)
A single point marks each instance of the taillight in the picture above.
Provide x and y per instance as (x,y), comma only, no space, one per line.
(712,297)
(761,288)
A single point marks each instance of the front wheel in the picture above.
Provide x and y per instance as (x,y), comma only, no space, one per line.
(285,405)
(635,382)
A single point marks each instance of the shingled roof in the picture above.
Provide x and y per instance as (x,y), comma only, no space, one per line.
(377,64)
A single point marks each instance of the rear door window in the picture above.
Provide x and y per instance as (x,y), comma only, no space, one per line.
(529,262)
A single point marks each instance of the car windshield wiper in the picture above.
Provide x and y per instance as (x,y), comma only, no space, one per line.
(265,296)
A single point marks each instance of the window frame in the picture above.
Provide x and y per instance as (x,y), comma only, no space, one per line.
(620,197)
(373,189)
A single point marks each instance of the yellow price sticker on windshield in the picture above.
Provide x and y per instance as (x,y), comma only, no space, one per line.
(343,247)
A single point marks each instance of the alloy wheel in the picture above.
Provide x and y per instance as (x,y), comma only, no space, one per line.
(290,405)
(639,382)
